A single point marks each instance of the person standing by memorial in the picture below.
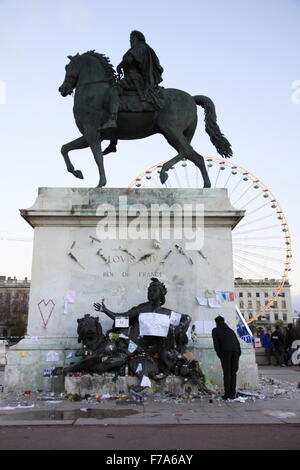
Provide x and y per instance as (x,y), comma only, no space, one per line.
(290,337)
(268,345)
(277,339)
(228,350)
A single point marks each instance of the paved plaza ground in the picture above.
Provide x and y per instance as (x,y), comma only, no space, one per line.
(268,418)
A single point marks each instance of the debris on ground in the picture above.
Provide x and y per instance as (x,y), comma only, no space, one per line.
(269,388)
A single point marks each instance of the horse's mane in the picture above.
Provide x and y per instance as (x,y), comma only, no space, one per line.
(105,61)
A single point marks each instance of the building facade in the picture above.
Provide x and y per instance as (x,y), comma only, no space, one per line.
(14,298)
(252,295)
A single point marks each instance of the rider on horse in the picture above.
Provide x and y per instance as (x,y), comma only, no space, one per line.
(142,73)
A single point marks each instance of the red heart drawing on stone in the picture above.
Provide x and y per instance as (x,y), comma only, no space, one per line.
(46,308)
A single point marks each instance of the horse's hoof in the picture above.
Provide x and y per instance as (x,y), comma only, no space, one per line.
(110,149)
(78,174)
(101,185)
(163,177)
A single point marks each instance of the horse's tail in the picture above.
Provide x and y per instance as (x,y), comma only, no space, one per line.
(217,138)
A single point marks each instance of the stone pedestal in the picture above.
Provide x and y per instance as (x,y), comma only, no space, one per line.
(91,244)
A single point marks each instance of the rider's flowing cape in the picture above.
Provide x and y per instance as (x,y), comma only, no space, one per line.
(149,64)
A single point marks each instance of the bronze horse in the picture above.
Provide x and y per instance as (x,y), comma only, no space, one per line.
(92,75)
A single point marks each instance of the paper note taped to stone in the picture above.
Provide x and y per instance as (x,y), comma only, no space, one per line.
(204,327)
(175,318)
(48,371)
(122,322)
(154,324)
(52,356)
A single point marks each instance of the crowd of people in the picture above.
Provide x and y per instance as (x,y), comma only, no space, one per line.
(279,344)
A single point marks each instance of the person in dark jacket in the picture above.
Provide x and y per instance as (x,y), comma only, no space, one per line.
(228,350)
(290,337)
(268,345)
(277,339)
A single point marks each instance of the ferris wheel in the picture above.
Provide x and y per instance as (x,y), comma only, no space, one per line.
(262,241)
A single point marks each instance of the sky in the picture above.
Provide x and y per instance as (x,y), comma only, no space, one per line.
(243,54)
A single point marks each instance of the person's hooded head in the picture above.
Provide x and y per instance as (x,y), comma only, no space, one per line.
(219,320)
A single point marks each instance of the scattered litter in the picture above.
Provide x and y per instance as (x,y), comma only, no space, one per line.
(49,398)
(280,414)
(53,402)
(146,382)
(129,402)
(239,400)
(7,408)
(25,405)
(105,396)
(136,396)
(249,393)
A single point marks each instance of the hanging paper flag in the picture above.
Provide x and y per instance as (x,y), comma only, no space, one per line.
(220,297)
(202,301)
(209,293)
(231,296)
(214,303)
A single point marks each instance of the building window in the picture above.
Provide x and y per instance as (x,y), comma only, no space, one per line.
(266,294)
(276,316)
(241,294)
(257,294)
(258,304)
(250,315)
(249,303)
(283,304)
(284,317)
(249,294)
(267,315)
(241,304)
(282,294)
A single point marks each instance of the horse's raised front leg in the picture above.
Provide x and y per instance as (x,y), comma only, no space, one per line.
(79,143)
(93,138)
(112,147)
(163,176)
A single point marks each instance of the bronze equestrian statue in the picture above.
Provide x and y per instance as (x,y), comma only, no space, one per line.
(110,107)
